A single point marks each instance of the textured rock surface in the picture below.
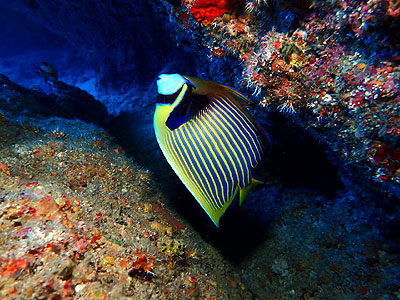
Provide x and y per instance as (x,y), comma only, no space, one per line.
(65,101)
(79,220)
(326,76)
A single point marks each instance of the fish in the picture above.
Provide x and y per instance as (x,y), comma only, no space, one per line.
(209,139)
(50,78)
(48,72)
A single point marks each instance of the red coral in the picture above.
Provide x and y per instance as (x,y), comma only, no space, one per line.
(394,8)
(157,207)
(387,157)
(10,267)
(95,238)
(208,10)
(185,18)
(143,262)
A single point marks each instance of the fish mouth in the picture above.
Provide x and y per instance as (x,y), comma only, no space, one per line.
(159,80)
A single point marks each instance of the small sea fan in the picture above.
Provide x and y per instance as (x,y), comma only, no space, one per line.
(253,6)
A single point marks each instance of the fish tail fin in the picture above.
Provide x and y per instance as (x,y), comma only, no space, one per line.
(245,190)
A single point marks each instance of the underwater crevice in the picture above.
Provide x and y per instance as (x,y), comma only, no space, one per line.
(299,161)
(296,162)
(240,231)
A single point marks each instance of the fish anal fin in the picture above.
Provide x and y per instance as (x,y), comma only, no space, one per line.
(245,191)
(216,215)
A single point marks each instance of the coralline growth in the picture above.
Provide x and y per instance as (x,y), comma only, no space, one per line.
(334,63)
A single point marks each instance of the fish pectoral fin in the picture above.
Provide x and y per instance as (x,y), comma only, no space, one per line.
(245,191)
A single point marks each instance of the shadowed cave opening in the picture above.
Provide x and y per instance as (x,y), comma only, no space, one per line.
(296,162)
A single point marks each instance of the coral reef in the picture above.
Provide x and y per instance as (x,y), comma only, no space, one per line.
(336,66)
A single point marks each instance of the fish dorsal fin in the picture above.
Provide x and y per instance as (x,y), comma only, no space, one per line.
(239,99)
(216,90)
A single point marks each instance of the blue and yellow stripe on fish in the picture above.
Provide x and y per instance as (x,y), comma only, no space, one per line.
(210,141)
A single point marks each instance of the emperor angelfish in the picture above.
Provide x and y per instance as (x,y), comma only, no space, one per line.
(211,142)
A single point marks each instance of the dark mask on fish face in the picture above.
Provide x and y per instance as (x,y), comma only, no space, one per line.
(169,99)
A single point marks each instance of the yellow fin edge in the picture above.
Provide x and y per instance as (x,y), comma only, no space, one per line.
(245,191)
(216,215)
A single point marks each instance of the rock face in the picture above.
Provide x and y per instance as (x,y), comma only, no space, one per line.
(79,220)
(324,76)
(128,41)
(64,101)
